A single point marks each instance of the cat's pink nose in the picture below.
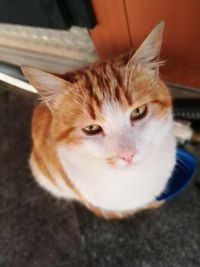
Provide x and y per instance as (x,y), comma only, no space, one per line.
(127,156)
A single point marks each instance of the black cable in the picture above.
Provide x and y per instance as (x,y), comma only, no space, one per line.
(186,109)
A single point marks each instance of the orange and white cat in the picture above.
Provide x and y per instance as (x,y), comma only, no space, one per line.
(104,135)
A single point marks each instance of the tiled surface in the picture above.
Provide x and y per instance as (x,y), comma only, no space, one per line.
(37,230)
(74,43)
(47,49)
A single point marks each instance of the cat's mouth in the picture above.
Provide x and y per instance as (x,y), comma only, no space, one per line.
(119,162)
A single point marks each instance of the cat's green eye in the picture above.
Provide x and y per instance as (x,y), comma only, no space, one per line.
(139,113)
(92,129)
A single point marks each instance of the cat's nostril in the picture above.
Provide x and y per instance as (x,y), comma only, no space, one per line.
(128,156)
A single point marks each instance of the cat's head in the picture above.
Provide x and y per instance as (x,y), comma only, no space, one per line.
(117,111)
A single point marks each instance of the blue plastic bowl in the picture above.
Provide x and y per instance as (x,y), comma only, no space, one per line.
(181,176)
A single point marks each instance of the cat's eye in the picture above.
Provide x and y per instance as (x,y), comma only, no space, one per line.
(139,113)
(92,129)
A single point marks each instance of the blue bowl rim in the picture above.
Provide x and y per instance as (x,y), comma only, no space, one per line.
(183,155)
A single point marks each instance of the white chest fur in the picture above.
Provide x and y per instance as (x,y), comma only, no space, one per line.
(119,189)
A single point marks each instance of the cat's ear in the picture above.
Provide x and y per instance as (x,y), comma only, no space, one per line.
(48,85)
(149,51)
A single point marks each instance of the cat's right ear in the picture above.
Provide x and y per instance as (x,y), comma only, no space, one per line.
(149,51)
(48,85)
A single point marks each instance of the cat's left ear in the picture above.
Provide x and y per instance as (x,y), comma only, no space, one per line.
(149,51)
(48,85)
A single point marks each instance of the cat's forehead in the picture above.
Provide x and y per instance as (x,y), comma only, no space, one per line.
(104,81)
(101,90)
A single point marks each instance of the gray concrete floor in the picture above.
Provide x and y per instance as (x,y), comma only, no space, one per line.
(37,230)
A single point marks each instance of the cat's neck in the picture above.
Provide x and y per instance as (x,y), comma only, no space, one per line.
(117,188)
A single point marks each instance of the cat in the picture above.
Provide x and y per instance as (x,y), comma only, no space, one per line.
(104,135)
